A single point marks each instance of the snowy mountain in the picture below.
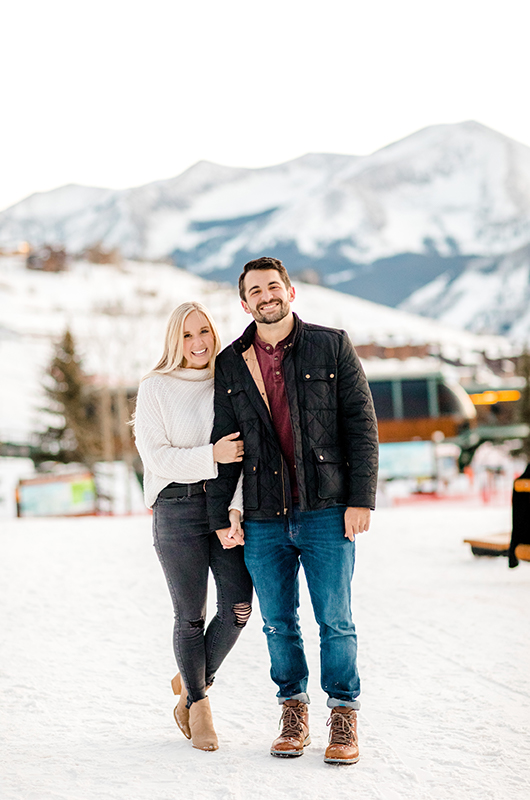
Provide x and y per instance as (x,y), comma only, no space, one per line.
(426,212)
(491,294)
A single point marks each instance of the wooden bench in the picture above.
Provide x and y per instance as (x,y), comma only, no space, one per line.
(495,545)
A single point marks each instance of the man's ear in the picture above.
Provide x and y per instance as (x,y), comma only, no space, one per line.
(246,309)
(292,293)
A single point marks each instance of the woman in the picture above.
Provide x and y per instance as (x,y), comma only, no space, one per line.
(173,423)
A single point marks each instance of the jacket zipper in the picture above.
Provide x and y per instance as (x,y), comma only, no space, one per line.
(283,486)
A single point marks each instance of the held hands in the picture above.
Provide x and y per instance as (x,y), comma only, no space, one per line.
(232,536)
(226,450)
(356,520)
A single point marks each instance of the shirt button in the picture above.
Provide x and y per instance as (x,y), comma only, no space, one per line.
(277,513)
(229,391)
(308,375)
(332,375)
(277,373)
(321,458)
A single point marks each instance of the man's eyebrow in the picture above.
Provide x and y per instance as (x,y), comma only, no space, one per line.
(270,283)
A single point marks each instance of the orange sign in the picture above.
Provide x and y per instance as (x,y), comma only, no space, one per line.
(489,398)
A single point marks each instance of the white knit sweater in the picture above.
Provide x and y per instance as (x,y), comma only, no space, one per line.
(174,419)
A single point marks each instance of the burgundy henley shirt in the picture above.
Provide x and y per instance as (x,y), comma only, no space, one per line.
(270,361)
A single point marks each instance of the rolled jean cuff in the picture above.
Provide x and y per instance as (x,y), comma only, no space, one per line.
(333,702)
(302,696)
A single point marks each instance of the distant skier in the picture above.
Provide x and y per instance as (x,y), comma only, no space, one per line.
(520,515)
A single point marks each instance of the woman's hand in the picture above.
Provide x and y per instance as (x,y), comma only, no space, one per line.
(226,450)
(232,536)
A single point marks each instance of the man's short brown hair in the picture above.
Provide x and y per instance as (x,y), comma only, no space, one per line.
(263,263)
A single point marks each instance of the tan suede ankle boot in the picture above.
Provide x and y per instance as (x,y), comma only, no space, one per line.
(181,713)
(203,735)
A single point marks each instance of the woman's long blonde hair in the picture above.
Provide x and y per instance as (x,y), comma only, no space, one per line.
(173,355)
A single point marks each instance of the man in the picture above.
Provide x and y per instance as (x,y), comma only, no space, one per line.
(298,394)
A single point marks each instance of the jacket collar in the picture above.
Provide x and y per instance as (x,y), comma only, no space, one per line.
(247,337)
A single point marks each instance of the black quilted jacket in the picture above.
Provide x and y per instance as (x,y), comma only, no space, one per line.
(333,422)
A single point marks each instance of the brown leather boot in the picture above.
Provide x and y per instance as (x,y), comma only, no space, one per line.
(203,735)
(343,745)
(181,713)
(295,730)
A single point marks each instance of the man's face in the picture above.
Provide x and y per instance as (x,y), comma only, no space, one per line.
(267,297)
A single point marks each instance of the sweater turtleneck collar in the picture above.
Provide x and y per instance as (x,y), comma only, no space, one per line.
(185,374)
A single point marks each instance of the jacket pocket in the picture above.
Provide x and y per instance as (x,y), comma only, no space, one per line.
(233,388)
(242,405)
(319,374)
(319,387)
(330,471)
(251,491)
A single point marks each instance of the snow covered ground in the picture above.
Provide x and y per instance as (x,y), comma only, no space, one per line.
(86,707)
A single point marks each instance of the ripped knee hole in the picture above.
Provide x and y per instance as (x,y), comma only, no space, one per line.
(242,612)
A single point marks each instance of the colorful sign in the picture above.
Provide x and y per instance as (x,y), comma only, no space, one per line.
(407,460)
(71,495)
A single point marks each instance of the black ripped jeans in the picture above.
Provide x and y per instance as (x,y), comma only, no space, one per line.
(187,550)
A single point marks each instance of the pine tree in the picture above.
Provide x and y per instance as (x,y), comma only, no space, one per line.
(76,435)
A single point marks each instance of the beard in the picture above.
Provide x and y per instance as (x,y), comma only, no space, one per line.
(275,315)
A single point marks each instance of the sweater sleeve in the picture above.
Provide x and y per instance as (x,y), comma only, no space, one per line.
(179,464)
(237,499)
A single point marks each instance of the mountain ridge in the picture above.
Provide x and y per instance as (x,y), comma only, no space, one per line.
(381,226)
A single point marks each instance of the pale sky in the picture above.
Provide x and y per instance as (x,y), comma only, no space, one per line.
(122,92)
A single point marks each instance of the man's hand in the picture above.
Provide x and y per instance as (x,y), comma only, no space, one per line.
(232,536)
(356,520)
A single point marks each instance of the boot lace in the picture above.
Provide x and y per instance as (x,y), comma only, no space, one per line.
(292,721)
(342,730)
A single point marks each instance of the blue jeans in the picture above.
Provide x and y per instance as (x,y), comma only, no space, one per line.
(274,550)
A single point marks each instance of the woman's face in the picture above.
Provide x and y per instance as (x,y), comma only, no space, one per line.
(199,341)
